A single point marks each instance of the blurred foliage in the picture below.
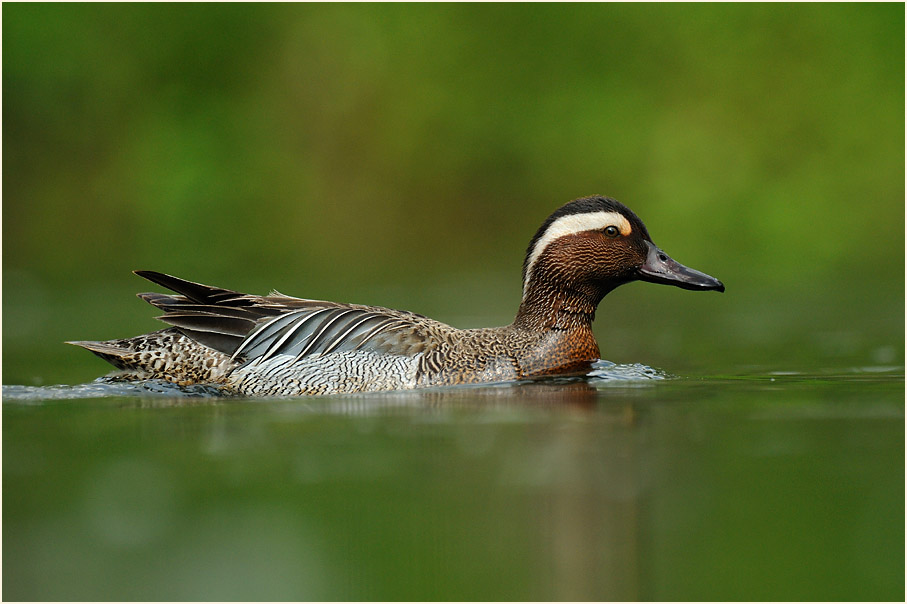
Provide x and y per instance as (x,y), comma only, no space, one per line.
(403,155)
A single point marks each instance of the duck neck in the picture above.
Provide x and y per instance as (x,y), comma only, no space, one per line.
(562,307)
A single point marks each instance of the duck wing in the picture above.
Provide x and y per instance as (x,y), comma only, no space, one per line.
(253,329)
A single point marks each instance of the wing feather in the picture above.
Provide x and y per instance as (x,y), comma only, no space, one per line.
(281,339)
(305,333)
(255,329)
(257,343)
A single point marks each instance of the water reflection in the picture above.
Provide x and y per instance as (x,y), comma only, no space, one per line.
(591,479)
(553,490)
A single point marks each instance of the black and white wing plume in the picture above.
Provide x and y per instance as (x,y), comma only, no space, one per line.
(253,329)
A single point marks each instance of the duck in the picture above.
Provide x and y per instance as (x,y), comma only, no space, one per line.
(278,345)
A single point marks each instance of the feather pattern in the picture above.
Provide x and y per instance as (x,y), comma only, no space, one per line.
(279,345)
(276,339)
(256,329)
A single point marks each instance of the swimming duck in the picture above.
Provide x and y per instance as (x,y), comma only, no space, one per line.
(278,345)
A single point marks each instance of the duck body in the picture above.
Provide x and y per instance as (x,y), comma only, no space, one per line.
(278,345)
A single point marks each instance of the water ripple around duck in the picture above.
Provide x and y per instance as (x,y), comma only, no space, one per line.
(602,372)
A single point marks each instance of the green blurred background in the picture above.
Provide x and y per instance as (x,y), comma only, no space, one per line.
(403,155)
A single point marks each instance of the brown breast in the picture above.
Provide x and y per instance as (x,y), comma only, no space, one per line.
(559,352)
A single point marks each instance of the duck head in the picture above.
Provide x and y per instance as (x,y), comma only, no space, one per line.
(587,248)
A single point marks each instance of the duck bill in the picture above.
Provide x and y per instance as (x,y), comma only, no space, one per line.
(661,268)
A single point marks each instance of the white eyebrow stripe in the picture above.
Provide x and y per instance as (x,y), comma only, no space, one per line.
(571,225)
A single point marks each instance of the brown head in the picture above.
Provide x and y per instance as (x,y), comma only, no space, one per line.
(584,250)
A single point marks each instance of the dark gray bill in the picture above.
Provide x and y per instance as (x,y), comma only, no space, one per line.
(661,268)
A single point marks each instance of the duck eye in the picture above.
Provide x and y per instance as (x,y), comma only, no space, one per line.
(612,231)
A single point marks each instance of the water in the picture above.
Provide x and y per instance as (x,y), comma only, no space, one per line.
(630,484)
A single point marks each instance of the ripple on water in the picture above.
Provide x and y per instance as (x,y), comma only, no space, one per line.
(602,372)
(606,371)
(105,387)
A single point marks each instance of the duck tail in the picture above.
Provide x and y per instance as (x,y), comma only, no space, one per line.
(116,352)
(166,355)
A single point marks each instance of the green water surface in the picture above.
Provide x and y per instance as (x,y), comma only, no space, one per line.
(747,487)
